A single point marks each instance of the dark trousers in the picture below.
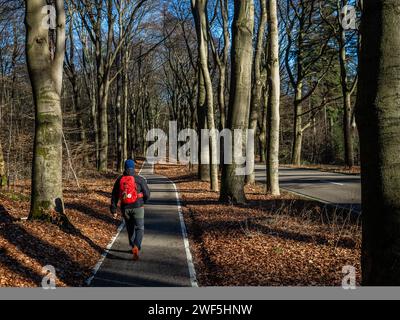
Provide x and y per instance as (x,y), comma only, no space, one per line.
(134,220)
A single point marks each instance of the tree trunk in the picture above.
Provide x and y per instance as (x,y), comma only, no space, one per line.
(298,126)
(73,78)
(2,168)
(204,169)
(348,131)
(45,71)
(119,128)
(232,190)
(347,108)
(125,106)
(223,65)
(273,101)
(256,95)
(263,130)
(79,121)
(221,97)
(378,120)
(103,127)
(200,15)
(95,121)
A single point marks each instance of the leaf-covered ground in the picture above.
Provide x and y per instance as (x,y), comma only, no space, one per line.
(26,247)
(272,241)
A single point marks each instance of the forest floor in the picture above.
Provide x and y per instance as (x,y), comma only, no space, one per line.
(272,241)
(26,246)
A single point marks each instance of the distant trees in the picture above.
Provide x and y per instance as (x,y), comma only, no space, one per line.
(306,60)
(107,49)
(45,57)
(347,43)
(348,83)
(232,188)
(378,120)
(72,73)
(11,103)
(133,65)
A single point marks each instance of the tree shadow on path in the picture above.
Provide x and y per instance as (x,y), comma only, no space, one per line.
(67,270)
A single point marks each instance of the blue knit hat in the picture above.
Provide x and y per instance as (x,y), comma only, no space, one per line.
(129,164)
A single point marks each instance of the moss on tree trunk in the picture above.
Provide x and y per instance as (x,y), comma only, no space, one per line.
(45,66)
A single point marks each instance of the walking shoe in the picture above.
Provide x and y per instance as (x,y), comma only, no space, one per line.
(135,252)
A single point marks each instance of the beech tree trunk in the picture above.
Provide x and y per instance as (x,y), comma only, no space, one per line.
(223,64)
(125,80)
(347,91)
(263,127)
(232,190)
(2,168)
(204,169)
(297,126)
(199,8)
(378,119)
(103,126)
(119,128)
(256,96)
(46,71)
(274,100)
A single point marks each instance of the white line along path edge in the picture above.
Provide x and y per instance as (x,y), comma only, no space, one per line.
(108,248)
(189,258)
(104,255)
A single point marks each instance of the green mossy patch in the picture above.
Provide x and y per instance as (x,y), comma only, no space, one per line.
(45,211)
(3,181)
(15,196)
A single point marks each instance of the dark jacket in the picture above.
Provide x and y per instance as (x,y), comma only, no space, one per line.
(141,186)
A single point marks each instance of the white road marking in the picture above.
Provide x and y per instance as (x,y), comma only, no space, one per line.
(104,255)
(331,182)
(189,257)
(122,283)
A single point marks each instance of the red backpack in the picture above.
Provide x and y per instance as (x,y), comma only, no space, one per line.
(128,190)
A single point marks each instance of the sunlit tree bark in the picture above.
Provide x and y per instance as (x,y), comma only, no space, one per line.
(199,8)
(259,74)
(45,59)
(232,189)
(273,100)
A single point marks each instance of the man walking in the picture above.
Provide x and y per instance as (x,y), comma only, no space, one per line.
(132,192)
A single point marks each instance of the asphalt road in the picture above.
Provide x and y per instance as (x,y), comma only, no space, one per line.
(337,189)
(163,261)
